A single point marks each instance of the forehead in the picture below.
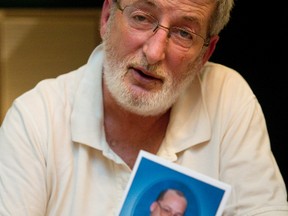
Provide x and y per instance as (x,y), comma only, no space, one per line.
(171,194)
(200,10)
(174,200)
(173,4)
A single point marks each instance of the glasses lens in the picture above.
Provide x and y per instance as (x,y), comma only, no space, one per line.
(184,37)
(165,211)
(139,19)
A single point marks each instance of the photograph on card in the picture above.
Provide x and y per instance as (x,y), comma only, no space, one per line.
(160,187)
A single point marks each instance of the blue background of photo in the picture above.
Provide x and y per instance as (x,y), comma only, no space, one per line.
(151,178)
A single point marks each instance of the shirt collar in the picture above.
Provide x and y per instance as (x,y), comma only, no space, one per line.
(87,113)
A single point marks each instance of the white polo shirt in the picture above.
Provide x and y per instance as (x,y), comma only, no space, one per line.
(54,159)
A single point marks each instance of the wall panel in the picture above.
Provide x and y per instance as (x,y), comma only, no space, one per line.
(37,44)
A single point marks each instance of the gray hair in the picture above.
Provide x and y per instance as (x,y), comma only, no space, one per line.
(220,17)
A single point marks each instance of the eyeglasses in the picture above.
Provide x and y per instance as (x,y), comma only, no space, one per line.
(166,211)
(143,21)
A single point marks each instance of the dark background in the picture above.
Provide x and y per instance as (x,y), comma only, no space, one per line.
(254,43)
(50,3)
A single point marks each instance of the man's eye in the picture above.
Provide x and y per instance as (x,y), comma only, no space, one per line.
(166,210)
(184,34)
(141,17)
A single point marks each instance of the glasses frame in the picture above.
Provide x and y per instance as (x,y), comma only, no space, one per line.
(206,41)
(168,211)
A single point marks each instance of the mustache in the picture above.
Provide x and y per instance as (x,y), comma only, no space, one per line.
(142,62)
(134,60)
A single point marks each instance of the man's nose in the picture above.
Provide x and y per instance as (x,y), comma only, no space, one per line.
(155,47)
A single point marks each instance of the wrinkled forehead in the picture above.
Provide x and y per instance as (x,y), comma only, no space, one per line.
(203,7)
(174,3)
(194,11)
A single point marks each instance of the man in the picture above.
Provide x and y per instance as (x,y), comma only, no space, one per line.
(170,202)
(69,145)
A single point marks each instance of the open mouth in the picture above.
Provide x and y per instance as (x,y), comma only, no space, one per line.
(146,74)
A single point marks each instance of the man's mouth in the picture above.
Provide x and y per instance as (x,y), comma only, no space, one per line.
(144,78)
(147,74)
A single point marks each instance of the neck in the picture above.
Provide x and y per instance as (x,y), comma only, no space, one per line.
(127,133)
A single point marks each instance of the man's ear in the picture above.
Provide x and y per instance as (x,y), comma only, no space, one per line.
(153,206)
(210,49)
(105,14)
